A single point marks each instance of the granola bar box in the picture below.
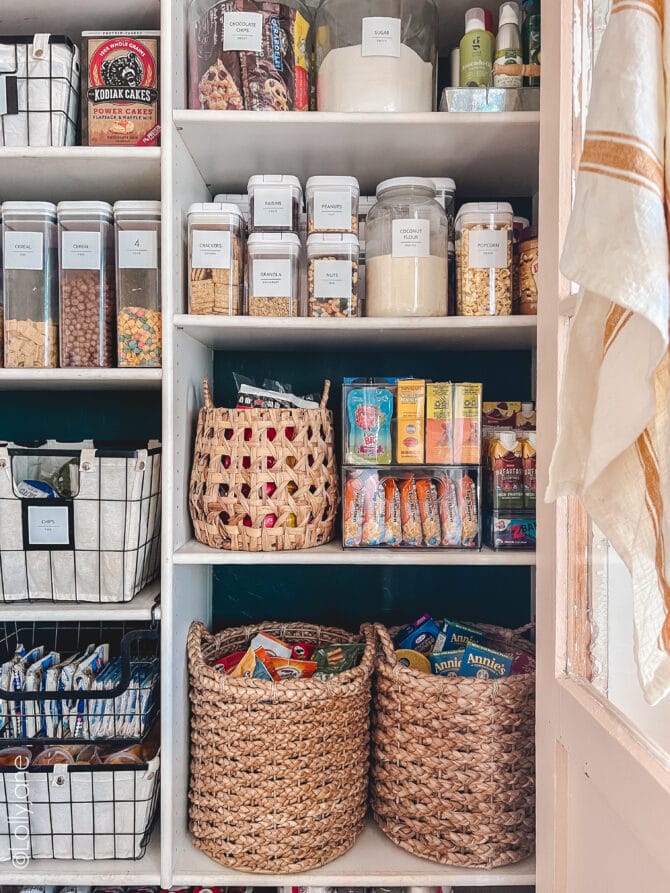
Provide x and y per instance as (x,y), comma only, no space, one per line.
(249,54)
(120,88)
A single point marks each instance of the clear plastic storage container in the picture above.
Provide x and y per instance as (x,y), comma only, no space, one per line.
(445,193)
(332,205)
(138,283)
(332,275)
(275,202)
(215,259)
(406,251)
(87,284)
(484,259)
(273,287)
(377,56)
(30,250)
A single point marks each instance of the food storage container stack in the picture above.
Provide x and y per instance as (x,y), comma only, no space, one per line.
(273,286)
(332,205)
(215,259)
(484,259)
(332,275)
(275,203)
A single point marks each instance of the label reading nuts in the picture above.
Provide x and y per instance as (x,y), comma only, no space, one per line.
(24,251)
(380,37)
(488,249)
(332,210)
(138,250)
(273,208)
(332,279)
(272,279)
(210,250)
(80,251)
(243,32)
(411,238)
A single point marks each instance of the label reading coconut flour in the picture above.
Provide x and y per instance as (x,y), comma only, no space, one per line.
(272,279)
(380,37)
(332,279)
(80,251)
(24,251)
(487,249)
(273,207)
(211,249)
(411,238)
(243,32)
(332,210)
(138,250)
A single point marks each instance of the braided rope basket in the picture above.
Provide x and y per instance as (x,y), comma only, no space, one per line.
(264,480)
(279,770)
(453,760)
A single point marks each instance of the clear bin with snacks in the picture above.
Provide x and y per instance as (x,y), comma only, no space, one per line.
(215,259)
(273,286)
(275,202)
(332,275)
(332,205)
(484,259)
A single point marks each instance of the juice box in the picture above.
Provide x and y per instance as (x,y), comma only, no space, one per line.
(439,415)
(467,423)
(411,403)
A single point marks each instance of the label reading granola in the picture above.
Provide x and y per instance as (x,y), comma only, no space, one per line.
(272,279)
(24,251)
(243,31)
(332,279)
(332,210)
(211,249)
(380,37)
(487,249)
(410,238)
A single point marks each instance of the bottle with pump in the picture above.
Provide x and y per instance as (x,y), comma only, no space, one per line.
(476,51)
(508,45)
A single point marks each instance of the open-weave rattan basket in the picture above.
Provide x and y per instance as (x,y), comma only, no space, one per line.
(453,770)
(279,770)
(256,467)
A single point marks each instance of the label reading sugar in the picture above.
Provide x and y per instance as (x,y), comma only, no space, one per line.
(272,279)
(273,207)
(24,251)
(138,249)
(48,525)
(332,279)
(487,249)
(332,210)
(243,32)
(80,251)
(380,37)
(210,249)
(411,238)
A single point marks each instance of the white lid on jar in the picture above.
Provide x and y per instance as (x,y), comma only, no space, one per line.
(137,210)
(509,440)
(318,242)
(486,212)
(333,183)
(408,182)
(276,181)
(280,242)
(445,184)
(79,210)
(210,212)
(29,209)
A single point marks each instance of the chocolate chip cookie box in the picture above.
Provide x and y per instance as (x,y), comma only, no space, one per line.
(249,54)
(120,88)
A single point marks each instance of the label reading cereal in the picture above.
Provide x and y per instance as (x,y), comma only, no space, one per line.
(272,278)
(24,251)
(80,251)
(273,207)
(332,279)
(381,37)
(332,210)
(411,238)
(210,250)
(243,32)
(138,250)
(488,249)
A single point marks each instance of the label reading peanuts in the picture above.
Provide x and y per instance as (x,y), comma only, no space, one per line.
(487,249)
(272,279)
(332,210)
(410,238)
(210,249)
(80,251)
(48,525)
(380,37)
(273,207)
(332,279)
(24,251)
(243,32)
(138,249)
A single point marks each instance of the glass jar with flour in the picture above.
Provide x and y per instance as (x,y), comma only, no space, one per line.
(376,55)
(406,251)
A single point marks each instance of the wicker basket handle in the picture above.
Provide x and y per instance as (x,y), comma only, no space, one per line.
(326,391)
(385,642)
(207,394)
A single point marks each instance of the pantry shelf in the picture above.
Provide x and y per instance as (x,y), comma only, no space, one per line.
(80,172)
(80,379)
(194,553)
(373,861)
(34,16)
(257,333)
(488,155)
(142,607)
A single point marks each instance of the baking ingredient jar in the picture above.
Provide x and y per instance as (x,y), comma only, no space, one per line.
(249,54)
(30,258)
(332,275)
(215,259)
(273,286)
(445,193)
(406,251)
(484,259)
(138,283)
(377,56)
(332,205)
(275,203)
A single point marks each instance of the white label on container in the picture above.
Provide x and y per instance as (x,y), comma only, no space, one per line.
(210,249)
(273,207)
(243,32)
(332,279)
(48,525)
(272,279)
(380,37)
(80,251)
(24,251)
(138,249)
(332,209)
(487,249)
(411,238)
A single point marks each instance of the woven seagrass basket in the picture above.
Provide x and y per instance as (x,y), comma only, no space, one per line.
(279,770)
(453,760)
(264,480)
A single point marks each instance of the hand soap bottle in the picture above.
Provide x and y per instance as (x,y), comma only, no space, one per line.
(476,51)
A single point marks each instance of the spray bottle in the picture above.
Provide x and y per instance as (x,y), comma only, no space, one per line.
(476,51)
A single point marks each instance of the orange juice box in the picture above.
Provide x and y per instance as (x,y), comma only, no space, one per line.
(439,417)
(411,412)
(467,423)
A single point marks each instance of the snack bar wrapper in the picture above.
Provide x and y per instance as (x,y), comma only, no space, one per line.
(334,659)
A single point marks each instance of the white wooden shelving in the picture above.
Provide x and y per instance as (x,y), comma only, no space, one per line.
(81,379)
(143,607)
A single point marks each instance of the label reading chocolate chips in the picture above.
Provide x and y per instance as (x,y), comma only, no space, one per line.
(80,251)
(243,32)
(411,238)
(210,249)
(332,279)
(332,210)
(273,208)
(487,249)
(272,279)
(24,251)
(138,250)
(380,37)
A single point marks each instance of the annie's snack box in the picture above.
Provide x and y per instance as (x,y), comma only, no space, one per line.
(485,663)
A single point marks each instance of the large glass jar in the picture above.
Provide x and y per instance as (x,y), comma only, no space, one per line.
(30,249)
(376,55)
(406,251)
(254,55)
